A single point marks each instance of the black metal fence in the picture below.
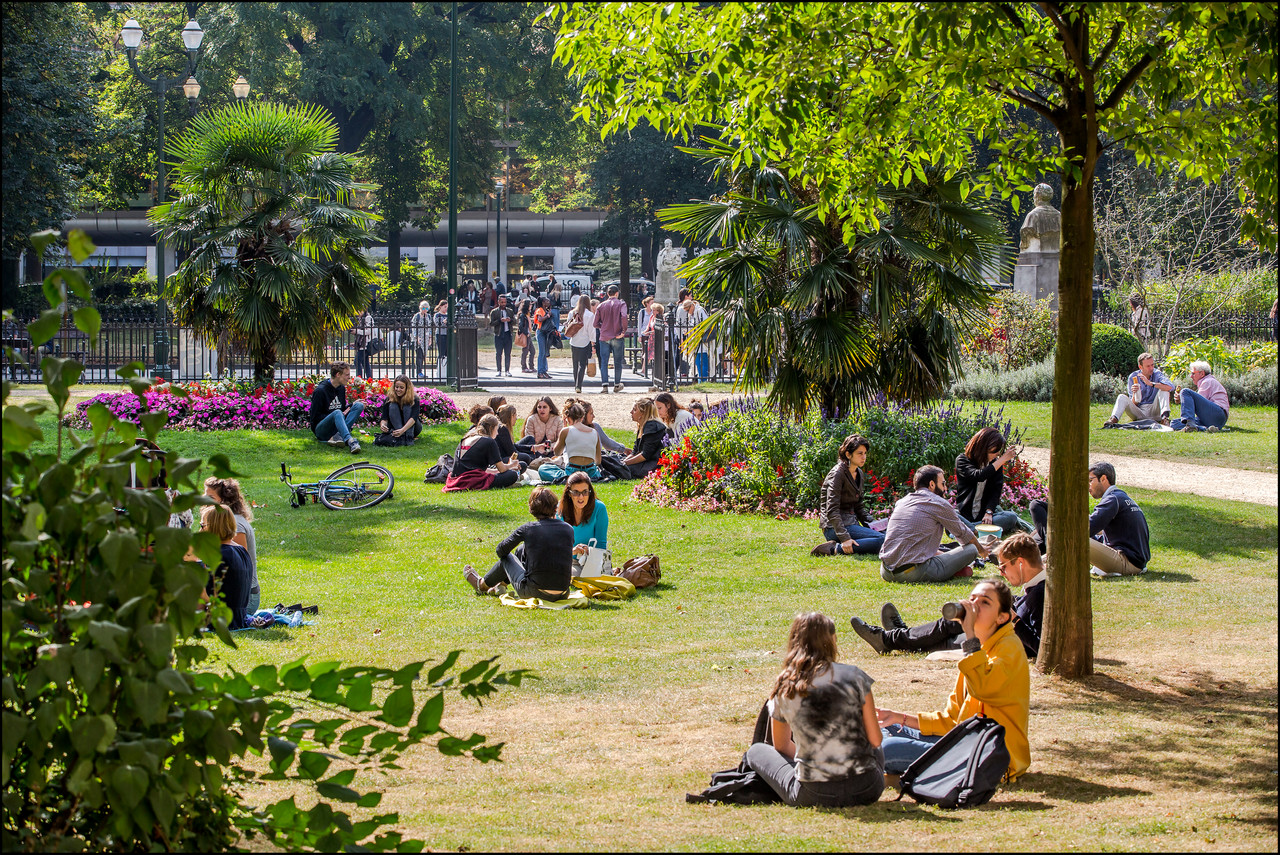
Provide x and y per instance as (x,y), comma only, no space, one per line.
(174,352)
(1237,328)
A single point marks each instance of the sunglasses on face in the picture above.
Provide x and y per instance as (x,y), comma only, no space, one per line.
(579,494)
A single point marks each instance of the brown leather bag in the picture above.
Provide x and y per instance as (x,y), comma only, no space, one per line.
(642,571)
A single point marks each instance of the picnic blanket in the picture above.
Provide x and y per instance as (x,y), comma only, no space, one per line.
(586,589)
(1140,424)
(265,618)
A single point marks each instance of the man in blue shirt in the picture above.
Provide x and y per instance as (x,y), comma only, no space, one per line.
(1148,394)
(1121,541)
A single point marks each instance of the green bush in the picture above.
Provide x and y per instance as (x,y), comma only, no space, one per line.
(1018,332)
(1212,350)
(1255,388)
(1195,293)
(118,733)
(1115,350)
(416,284)
(1033,383)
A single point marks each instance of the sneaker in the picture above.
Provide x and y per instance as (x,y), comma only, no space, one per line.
(1099,573)
(889,617)
(1110,423)
(336,441)
(1188,429)
(577,390)
(618,387)
(353,445)
(604,390)
(830,547)
(872,635)
(1164,419)
(1213,429)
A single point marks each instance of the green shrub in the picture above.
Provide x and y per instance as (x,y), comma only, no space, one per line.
(1195,294)
(1257,354)
(1033,383)
(1115,350)
(417,283)
(1018,332)
(118,733)
(1212,350)
(1255,388)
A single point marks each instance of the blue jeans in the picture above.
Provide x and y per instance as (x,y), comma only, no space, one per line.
(1007,520)
(337,423)
(549,472)
(902,746)
(618,347)
(1200,413)
(544,346)
(940,568)
(702,363)
(866,541)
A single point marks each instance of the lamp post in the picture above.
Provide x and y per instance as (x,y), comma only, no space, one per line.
(499,185)
(131,37)
(453,378)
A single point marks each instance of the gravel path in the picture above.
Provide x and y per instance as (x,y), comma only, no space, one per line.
(1212,482)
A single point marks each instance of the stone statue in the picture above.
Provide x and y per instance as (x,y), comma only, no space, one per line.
(669,260)
(1042,229)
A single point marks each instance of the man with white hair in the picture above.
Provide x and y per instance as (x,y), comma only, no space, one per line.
(420,328)
(1206,407)
(1148,394)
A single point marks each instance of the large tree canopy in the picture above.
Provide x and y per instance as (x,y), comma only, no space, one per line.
(846,97)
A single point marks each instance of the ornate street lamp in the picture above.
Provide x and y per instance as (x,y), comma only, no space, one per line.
(131,38)
(240,88)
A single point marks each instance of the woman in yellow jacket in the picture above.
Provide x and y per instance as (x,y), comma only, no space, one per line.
(994,681)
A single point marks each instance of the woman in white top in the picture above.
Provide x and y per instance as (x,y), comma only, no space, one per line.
(580,330)
(675,417)
(580,446)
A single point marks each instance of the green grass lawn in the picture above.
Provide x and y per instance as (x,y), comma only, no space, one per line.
(1170,746)
(1249,444)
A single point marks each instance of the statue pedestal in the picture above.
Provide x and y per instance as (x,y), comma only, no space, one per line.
(666,288)
(1036,276)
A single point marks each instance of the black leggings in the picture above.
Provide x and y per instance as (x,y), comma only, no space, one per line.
(505,479)
(581,356)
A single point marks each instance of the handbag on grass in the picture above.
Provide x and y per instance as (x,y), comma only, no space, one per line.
(642,571)
(597,562)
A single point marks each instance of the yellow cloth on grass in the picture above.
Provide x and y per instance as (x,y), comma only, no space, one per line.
(586,589)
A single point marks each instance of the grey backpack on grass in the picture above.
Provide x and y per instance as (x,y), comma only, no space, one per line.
(962,769)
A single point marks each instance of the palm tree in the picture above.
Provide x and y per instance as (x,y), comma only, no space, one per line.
(835,320)
(266,210)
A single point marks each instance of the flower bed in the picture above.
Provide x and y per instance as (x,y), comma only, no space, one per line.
(229,405)
(744,458)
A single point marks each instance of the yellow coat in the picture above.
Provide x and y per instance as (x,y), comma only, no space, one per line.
(994,682)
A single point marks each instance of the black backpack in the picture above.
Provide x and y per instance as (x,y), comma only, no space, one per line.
(962,769)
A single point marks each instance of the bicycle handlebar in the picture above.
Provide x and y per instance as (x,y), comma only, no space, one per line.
(284,473)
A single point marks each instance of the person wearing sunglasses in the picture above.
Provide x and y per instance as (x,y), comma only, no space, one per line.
(580,508)
(1020,564)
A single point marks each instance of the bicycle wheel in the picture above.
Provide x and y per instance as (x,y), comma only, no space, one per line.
(359,485)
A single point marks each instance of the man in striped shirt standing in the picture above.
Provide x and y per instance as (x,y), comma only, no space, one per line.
(910,552)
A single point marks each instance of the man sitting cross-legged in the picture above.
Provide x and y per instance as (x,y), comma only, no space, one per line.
(1021,566)
(910,552)
(1148,394)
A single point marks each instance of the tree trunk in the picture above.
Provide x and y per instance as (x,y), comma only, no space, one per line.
(1066,647)
(264,366)
(393,258)
(624,266)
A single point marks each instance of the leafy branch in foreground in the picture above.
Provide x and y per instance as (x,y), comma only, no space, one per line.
(115,738)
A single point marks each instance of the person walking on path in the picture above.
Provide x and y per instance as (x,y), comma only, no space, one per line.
(365,331)
(611,319)
(420,328)
(502,320)
(580,330)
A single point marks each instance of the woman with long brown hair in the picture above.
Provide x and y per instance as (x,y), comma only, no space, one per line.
(826,739)
(980,478)
(226,491)
(401,420)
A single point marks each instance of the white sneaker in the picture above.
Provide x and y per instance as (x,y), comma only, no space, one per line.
(618,388)
(1099,573)
(577,390)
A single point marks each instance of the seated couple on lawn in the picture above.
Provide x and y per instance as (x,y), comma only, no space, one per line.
(331,419)
(831,746)
(1149,393)
(909,546)
(536,559)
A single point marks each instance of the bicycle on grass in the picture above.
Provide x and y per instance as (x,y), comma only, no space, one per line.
(355,486)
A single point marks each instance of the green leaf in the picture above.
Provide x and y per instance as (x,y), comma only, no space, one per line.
(152,423)
(45,327)
(119,548)
(429,719)
(20,429)
(108,636)
(88,665)
(157,642)
(131,369)
(130,785)
(173,681)
(264,677)
(332,791)
(325,687)
(164,807)
(282,752)
(360,696)
(312,764)
(92,734)
(79,245)
(42,239)
(221,466)
(397,709)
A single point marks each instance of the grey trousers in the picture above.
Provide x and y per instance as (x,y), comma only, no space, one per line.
(939,568)
(780,773)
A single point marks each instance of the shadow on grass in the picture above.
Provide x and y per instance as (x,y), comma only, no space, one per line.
(1070,789)
(889,810)
(1182,527)
(1205,714)
(270,633)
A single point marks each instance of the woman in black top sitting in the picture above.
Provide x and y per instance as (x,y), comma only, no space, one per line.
(650,432)
(506,414)
(980,478)
(231,580)
(401,420)
(479,465)
(536,559)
